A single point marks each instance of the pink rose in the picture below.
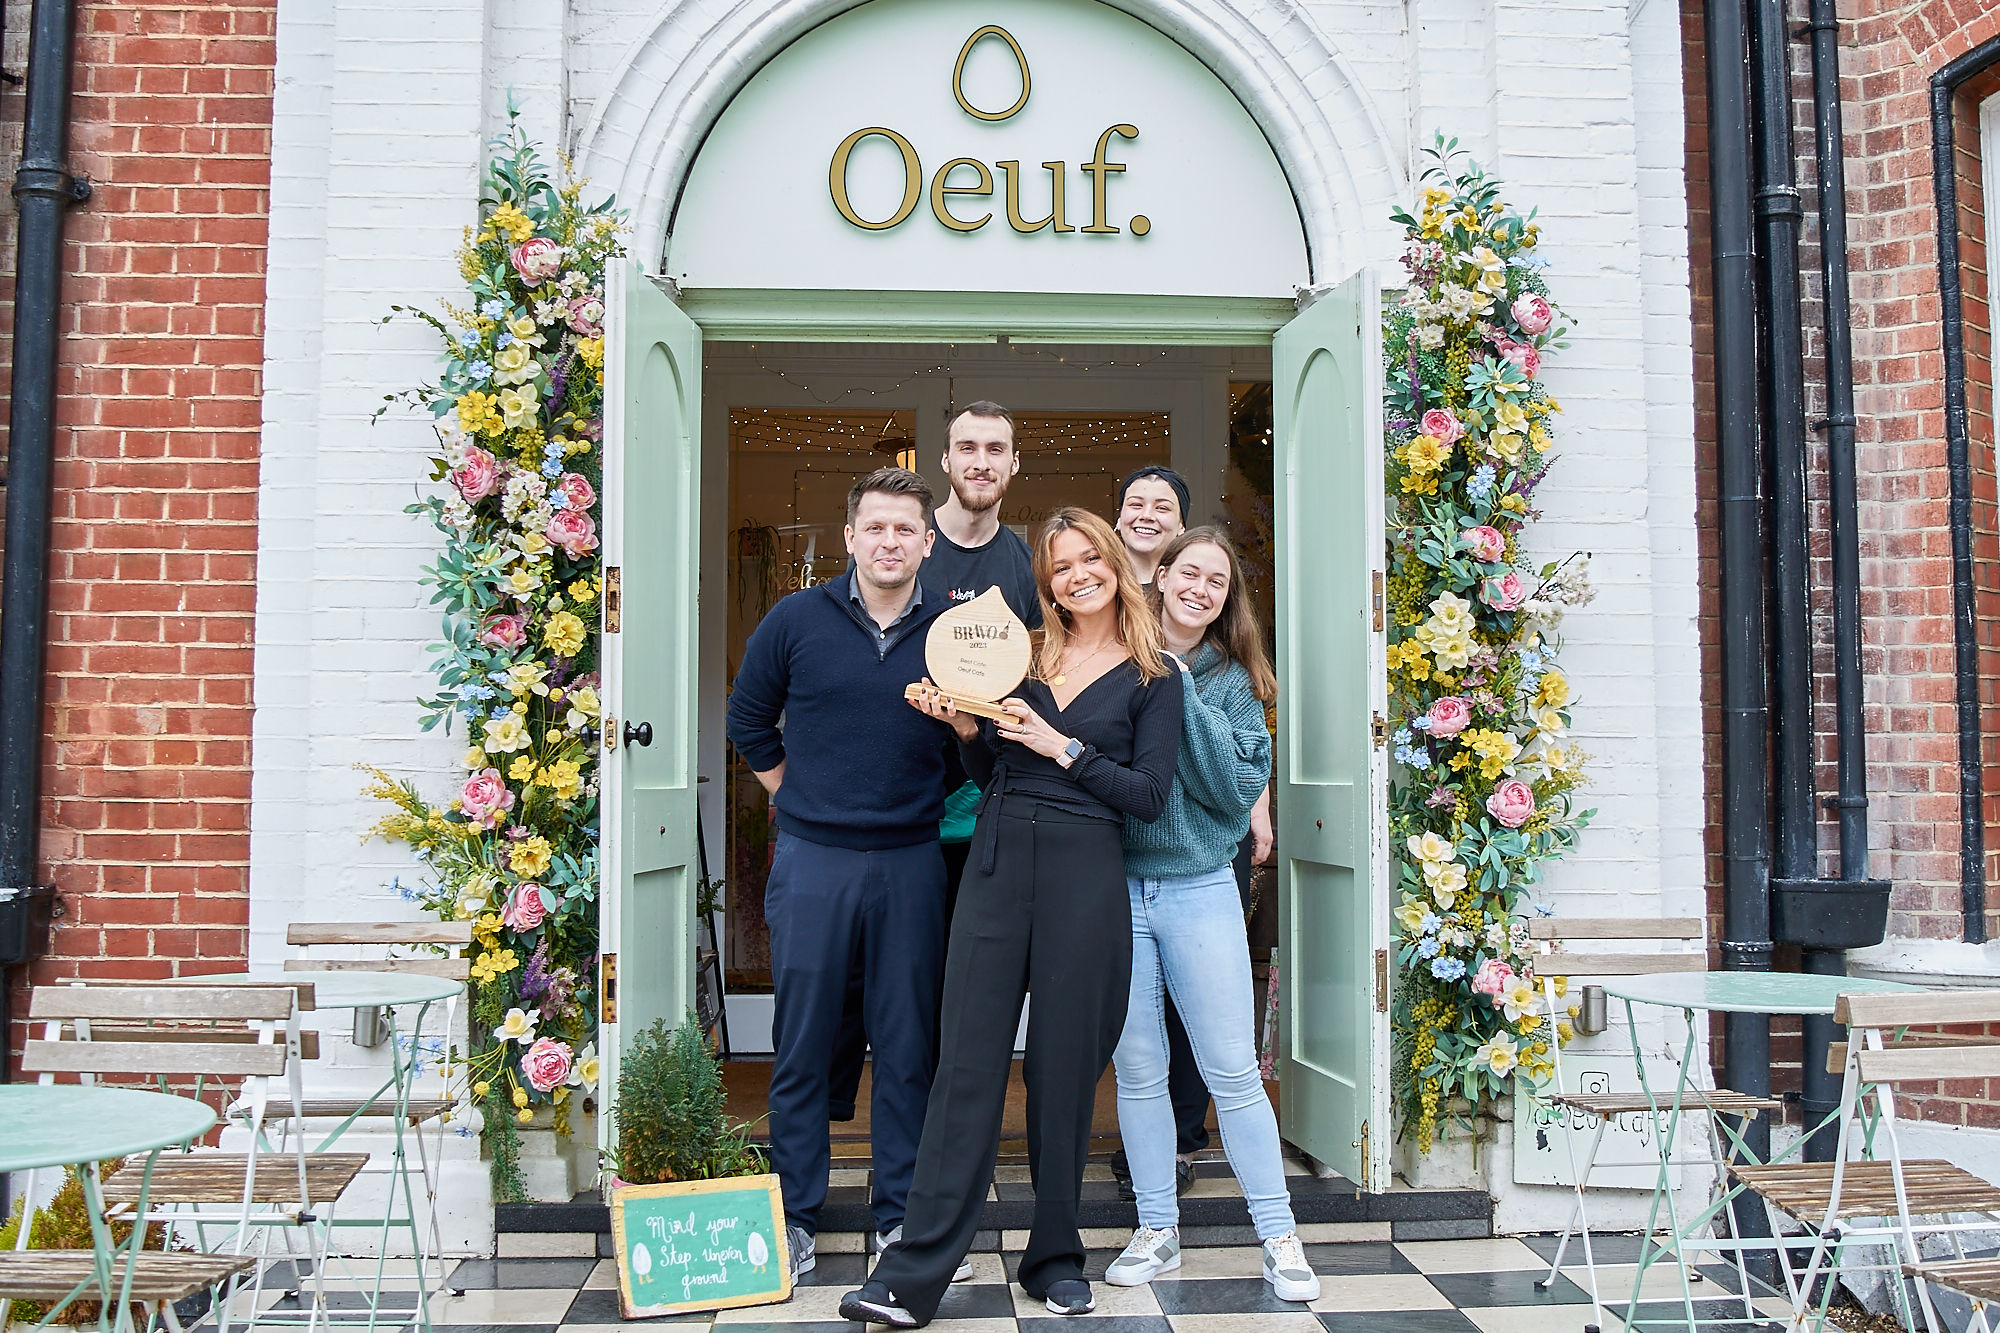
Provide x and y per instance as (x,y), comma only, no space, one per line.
(585,315)
(485,798)
(1442,425)
(1504,593)
(1486,544)
(1449,716)
(1511,802)
(478,476)
(524,909)
(1532,313)
(575,488)
(509,632)
(546,1064)
(537,259)
(573,530)
(1523,355)
(1492,977)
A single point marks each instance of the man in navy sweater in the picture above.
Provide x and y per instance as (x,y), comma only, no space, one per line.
(858,778)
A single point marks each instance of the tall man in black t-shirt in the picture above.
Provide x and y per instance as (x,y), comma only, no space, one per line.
(972,552)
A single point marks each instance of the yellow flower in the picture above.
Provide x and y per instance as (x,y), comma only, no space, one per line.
(1451,614)
(509,222)
(519,407)
(525,330)
(1430,847)
(592,352)
(522,768)
(564,634)
(1410,916)
(514,364)
(475,758)
(518,1025)
(564,778)
(521,1100)
(532,543)
(506,734)
(583,592)
(1507,446)
(494,963)
(583,1074)
(1550,722)
(530,857)
(1554,689)
(1510,417)
(1499,1054)
(1446,879)
(1492,270)
(476,414)
(583,707)
(1538,435)
(575,447)
(1564,1031)
(1436,196)
(1426,454)
(523,580)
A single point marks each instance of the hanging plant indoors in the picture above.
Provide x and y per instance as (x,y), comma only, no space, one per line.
(519,416)
(1482,793)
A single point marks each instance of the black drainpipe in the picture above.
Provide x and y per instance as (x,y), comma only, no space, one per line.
(1746,910)
(1958,460)
(43,192)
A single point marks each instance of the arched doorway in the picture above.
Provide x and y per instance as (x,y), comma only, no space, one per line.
(1040,172)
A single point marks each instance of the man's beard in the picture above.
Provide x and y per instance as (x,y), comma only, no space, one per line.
(973,504)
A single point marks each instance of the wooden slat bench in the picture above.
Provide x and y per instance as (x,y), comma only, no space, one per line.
(217,1177)
(50,1275)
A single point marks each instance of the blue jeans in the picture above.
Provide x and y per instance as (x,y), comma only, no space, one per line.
(1188,940)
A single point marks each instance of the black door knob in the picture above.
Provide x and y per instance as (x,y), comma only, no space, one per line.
(639,733)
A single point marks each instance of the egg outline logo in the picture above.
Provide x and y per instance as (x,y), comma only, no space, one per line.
(642,1260)
(958,74)
(758,1252)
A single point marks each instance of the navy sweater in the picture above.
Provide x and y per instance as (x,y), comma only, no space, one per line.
(863,769)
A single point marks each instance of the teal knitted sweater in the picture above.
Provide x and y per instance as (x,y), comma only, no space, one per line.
(1224,764)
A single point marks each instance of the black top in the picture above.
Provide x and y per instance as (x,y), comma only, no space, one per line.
(960,573)
(1131,732)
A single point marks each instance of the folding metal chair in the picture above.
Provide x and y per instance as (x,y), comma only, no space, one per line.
(1869,1194)
(1555,938)
(206,1037)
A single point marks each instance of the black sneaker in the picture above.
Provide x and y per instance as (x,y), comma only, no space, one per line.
(876,1304)
(1070,1296)
(1121,1171)
(1183,1176)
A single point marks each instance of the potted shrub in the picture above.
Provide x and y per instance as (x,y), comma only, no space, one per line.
(671,1113)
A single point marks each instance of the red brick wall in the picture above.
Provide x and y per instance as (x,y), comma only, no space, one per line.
(147,749)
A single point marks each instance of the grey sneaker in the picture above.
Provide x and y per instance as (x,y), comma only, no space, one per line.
(1286,1269)
(1150,1254)
(801,1243)
(884,1239)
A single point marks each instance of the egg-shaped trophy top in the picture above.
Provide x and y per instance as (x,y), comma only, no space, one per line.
(978,649)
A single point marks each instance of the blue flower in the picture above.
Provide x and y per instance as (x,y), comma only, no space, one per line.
(552,468)
(480,370)
(1430,923)
(504,341)
(1422,722)
(1402,735)
(557,500)
(552,450)
(1480,485)
(493,307)
(1419,760)
(1428,947)
(468,338)
(1448,969)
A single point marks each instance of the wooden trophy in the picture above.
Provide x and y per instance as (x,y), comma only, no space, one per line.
(977,652)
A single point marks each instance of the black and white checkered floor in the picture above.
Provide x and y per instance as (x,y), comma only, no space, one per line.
(1368,1285)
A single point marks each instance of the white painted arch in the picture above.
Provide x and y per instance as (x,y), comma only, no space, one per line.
(676,81)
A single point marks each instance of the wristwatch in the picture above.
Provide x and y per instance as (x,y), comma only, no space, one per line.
(1071,752)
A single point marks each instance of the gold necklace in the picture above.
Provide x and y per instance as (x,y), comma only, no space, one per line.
(1064,674)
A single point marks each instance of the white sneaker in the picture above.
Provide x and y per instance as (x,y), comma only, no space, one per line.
(1149,1254)
(1286,1269)
(884,1239)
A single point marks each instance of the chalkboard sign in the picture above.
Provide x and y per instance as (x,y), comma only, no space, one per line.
(700,1245)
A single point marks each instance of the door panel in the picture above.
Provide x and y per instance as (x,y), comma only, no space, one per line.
(652,407)
(1332,779)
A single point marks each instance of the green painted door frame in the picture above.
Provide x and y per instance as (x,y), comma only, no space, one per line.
(1332,780)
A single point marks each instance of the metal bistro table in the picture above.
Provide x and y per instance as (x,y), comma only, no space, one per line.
(1799,993)
(359,989)
(62,1124)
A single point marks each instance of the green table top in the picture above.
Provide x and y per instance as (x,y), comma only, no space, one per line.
(1746,992)
(60,1124)
(357,989)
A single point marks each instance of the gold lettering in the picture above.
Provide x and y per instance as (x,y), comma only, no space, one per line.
(1099,169)
(913,178)
(1057,173)
(958,73)
(939,190)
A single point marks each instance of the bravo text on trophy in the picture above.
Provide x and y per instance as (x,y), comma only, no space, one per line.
(977,653)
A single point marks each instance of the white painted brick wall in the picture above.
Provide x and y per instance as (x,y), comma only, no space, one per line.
(381,111)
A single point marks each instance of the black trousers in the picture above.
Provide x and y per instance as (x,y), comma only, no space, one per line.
(831,910)
(1052,917)
(850,1046)
(1185,1089)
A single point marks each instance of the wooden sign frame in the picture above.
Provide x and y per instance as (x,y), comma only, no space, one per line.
(780,1249)
(992,637)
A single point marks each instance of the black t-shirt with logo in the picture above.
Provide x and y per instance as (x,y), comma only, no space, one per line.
(959,574)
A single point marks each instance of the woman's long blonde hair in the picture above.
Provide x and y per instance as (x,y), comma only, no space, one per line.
(1138,623)
(1236,632)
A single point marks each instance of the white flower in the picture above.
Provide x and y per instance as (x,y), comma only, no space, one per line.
(519,1025)
(1429,847)
(1499,1054)
(583,1072)
(1517,999)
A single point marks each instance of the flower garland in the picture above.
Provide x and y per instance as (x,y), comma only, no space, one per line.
(1482,791)
(519,416)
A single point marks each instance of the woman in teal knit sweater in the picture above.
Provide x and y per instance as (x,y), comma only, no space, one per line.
(1187,924)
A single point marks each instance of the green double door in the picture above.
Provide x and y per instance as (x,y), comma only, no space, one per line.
(1333,1032)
